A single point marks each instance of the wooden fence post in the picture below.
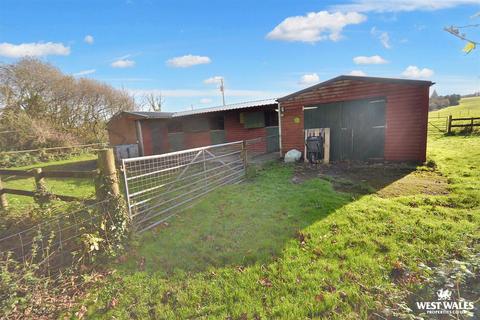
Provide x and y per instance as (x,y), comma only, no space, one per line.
(3,197)
(244,155)
(326,146)
(40,186)
(449,124)
(107,182)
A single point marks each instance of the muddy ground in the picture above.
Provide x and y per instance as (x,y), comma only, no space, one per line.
(386,180)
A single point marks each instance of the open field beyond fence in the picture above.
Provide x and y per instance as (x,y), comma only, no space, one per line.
(469,108)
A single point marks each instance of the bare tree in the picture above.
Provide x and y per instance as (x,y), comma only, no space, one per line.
(63,105)
(154,102)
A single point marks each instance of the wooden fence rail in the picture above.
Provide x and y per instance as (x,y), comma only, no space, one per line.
(472,123)
(105,171)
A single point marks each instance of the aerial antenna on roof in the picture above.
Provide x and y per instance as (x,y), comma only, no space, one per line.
(222,90)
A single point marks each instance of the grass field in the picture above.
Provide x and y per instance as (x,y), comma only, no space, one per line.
(469,107)
(437,120)
(272,248)
(72,187)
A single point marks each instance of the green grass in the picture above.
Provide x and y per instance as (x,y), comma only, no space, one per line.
(69,186)
(273,249)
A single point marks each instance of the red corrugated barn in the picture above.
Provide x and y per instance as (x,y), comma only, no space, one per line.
(369,118)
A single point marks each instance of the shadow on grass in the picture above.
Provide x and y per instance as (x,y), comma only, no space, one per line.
(238,225)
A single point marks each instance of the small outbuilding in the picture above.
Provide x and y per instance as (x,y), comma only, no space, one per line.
(162,132)
(369,118)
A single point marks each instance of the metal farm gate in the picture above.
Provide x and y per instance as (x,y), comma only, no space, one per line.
(156,185)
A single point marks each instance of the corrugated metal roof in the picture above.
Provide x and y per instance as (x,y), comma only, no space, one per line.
(151,114)
(242,105)
(358,78)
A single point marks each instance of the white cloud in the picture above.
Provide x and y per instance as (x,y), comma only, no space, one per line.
(383,36)
(33,49)
(122,63)
(85,72)
(188,61)
(369,60)
(359,73)
(315,26)
(415,72)
(213,80)
(89,39)
(205,100)
(309,78)
(401,5)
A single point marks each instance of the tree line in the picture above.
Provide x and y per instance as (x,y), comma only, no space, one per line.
(439,102)
(42,107)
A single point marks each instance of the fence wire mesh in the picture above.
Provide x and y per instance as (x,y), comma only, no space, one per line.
(157,186)
(54,242)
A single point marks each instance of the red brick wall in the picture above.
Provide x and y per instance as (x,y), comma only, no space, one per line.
(235,131)
(406,115)
(197,139)
(121,130)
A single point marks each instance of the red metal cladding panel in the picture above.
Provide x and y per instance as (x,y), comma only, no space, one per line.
(235,131)
(406,115)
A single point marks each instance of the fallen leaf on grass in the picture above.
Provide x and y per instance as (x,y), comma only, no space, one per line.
(265,282)
(81,313)
(113,303)
(319,297)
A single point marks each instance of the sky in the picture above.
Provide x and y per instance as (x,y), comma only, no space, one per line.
(262,49)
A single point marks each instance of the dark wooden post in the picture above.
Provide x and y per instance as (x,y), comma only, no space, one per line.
(471,125)
(3,197)
(107,181)
(449,124)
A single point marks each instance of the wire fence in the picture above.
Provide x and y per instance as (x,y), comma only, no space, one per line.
(56,241)
(437,125)
(158,186)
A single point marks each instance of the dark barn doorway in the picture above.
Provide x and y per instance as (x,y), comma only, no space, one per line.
(357,128)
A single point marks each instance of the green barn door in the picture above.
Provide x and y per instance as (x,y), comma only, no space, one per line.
(364,120)
(357,128)
(217,136)
(273,140)
(176,141)
(376,124)
(328,115)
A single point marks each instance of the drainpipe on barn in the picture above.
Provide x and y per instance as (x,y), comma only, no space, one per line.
(279,110)
(138,129)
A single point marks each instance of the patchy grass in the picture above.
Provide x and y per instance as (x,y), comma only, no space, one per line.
(68,186)
(272,248)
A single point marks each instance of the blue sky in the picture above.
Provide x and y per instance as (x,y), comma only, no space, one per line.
(261,48)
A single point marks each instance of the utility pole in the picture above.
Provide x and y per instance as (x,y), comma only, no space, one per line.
(222,90)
